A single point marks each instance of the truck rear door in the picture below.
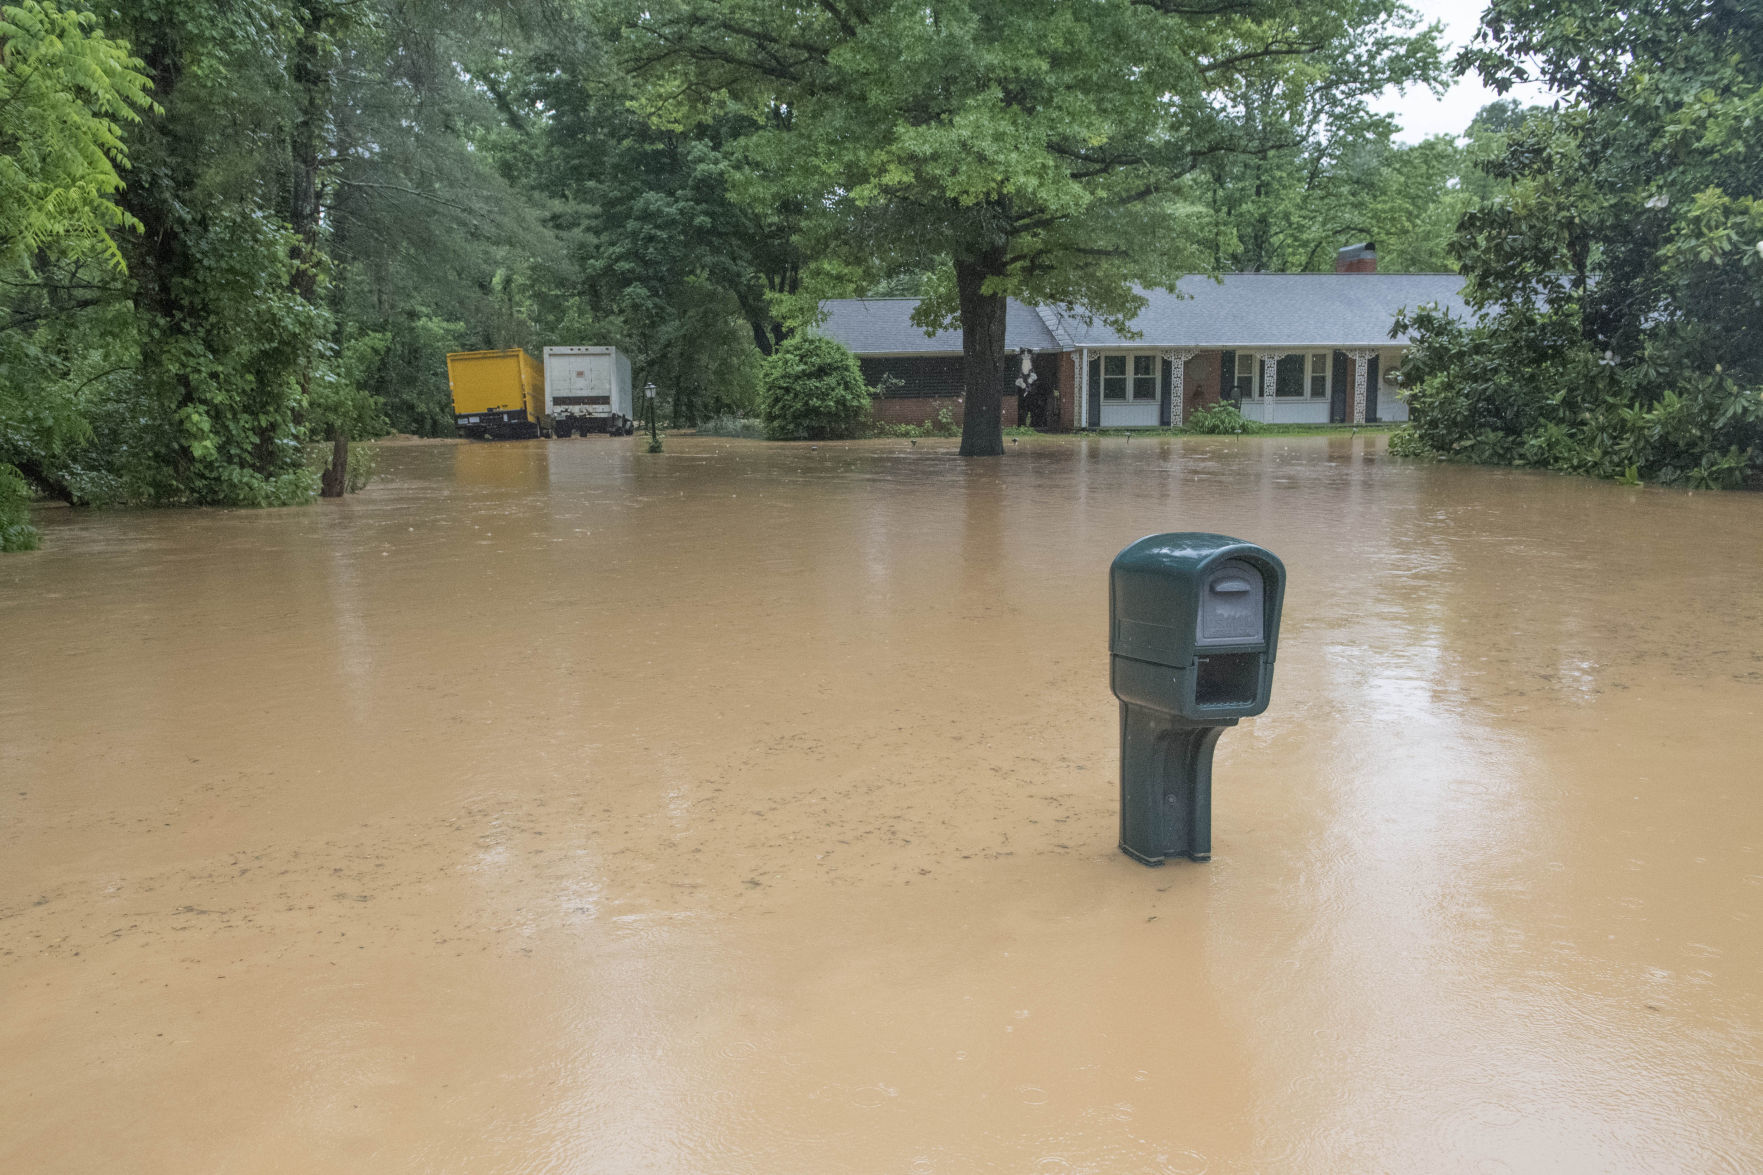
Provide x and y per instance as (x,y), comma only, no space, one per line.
(598,382)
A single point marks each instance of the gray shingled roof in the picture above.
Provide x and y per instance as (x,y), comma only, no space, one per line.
(883,326)
(1246,310)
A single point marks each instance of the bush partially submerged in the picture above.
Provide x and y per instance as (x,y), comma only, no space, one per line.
(814,390)
(942,425)
(1525,388)
(364,461)
(16,531)
(727,424)
(1222,417)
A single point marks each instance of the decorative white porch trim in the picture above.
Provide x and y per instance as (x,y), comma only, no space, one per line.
(1083,387)
(1178,380)
(1361,360)
(1269,383)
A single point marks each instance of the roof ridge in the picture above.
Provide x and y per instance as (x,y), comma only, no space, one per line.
(1055,324)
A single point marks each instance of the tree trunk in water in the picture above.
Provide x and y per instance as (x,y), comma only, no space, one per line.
(982,354)
(334,482)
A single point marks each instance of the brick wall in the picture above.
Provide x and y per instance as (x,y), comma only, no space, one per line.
(930,383)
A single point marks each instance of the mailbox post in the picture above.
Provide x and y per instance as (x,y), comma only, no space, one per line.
(1193,625)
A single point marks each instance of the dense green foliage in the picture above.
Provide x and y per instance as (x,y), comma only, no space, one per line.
(16,531)
(1318,169)
(230,232)
(1619,279)
(66,94)
(65,91)
(813,390)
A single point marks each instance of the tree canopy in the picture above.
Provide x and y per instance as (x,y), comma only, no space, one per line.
(67,92)
(1618,275)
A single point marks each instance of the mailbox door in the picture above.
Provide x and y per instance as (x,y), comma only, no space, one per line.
(1232,605)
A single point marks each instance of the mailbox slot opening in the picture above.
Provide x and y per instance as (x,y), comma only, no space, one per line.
(1227,679)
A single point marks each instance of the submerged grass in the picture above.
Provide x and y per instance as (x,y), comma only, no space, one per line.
(752,428)
(730,425)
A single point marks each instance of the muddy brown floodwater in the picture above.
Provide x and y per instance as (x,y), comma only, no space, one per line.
(555,807)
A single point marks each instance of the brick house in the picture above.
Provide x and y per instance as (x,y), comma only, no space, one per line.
(1288,348)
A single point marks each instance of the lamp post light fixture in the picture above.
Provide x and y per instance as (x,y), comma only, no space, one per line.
(649,399)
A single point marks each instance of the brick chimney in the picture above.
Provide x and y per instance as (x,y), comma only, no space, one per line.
(1357,259)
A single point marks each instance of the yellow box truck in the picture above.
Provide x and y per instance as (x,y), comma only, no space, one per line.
(498,394)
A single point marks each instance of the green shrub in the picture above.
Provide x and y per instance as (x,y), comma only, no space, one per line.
(1405,442)
(727,424)
(887,428)
(1572,408)
(813,390)
(16,531)
(1222,417)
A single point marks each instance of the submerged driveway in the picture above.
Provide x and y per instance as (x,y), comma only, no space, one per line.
(752,808)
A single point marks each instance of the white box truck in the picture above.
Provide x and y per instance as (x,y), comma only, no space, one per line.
(588,389)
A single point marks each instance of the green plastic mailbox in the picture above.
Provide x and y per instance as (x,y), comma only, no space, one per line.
(1193,625)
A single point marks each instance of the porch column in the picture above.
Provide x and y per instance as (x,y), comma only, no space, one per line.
(1178,379)
(1360,358)
(1269,383)
(1083,387)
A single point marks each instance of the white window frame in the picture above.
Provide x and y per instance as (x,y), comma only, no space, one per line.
(1251,366)
(1130,380)
(1136,381)
(1125,378)
(1303,382)
(1327,374)
(1253,374)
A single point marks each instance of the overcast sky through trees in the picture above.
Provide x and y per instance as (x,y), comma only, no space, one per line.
(1421,114)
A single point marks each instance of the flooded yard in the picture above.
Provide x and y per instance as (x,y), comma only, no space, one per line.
(553,807)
